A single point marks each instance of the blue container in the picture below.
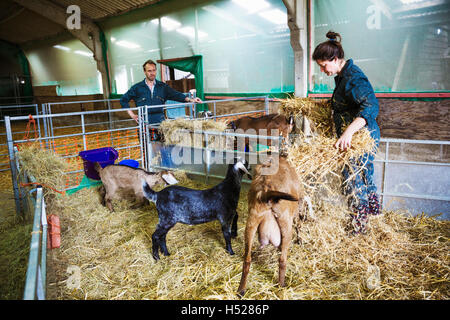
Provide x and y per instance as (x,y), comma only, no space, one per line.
(130,163)
(104,156)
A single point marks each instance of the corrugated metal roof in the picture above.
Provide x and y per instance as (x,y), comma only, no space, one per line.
(99,9)
(19,25)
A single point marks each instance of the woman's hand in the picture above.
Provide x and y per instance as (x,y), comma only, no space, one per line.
(345,140)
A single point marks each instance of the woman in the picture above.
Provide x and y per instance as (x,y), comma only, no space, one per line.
(353,103)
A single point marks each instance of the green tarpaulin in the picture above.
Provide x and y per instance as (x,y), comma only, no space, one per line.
(194,65)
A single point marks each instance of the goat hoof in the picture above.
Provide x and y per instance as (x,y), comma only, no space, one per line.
(136,206)
(156,257)
(241,293)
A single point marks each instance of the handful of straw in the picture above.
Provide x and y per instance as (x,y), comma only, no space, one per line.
(316,158)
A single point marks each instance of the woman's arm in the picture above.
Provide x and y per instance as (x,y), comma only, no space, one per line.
(345,140)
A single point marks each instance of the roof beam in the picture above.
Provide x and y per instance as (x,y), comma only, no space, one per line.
(88,33)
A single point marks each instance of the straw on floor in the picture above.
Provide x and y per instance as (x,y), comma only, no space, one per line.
(108,256)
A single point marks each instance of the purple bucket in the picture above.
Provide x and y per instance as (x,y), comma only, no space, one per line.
(104,156)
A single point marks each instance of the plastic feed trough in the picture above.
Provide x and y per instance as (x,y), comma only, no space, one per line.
(104,156)
(130,163)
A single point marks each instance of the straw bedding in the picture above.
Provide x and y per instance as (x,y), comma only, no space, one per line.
(113,254)
(401,257)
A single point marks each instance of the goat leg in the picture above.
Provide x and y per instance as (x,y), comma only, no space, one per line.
(163,246)
(286,235)
(227,236)
(109,204)
(234,226)
(250,231)
(159,239)
(155,246)
(102,193)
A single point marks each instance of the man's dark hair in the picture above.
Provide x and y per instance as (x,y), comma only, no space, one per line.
(149,61)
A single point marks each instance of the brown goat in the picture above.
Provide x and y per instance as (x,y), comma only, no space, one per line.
(268,122)
(273,201)
(119,179)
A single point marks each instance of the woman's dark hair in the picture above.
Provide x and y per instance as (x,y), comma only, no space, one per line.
(330,49)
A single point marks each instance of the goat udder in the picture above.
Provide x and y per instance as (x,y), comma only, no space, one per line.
(269,232)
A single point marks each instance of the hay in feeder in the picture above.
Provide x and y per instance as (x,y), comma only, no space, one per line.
(45,166)
(317,111)
(180,132)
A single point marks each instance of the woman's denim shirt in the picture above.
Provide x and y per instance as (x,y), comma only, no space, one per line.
(354,97)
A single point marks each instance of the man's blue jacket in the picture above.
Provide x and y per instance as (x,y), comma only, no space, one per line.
(354,97)
(142,96)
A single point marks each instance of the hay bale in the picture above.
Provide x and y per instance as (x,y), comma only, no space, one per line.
(45,166)
(318,111)
(180,132)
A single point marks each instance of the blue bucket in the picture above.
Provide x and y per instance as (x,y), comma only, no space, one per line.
(104,156)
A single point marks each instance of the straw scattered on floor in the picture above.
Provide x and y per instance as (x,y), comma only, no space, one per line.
(401,257)
(107,255)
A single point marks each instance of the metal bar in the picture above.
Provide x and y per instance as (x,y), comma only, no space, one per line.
(77,134)
(413,162)
(392,140)
(44,121)
(12,164)
(43,268)
(31,277)
(50,122)
(384,172)
(207,165)
(266,104)
(239,113)
(74,113)
(85,101)
(36,109)
(83,130)
(416,196)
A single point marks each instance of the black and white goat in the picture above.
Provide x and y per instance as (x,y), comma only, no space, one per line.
(189,206)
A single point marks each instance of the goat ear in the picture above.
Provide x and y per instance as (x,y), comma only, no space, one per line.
(169,178)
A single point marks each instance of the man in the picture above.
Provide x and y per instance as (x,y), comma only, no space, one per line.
(152,92)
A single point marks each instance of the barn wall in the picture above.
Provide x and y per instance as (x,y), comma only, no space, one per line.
(421,120)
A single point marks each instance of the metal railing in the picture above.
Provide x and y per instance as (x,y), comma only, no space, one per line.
(17,110)
(388,182)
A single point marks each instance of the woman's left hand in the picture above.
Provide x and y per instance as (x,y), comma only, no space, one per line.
(345,140)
